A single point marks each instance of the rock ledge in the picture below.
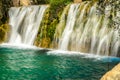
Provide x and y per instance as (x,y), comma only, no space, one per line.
(114,74)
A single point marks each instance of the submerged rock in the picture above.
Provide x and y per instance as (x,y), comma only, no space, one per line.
(114,74)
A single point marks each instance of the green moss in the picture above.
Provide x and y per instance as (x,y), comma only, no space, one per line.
(3,32)
(41,1)
(2,35)
(49,23)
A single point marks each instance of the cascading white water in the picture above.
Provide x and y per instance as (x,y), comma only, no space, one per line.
(25,22)
(69,26)
(79,29)
(85,31)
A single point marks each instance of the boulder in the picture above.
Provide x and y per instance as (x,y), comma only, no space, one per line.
(25,2)
(114,74)
(77,1)
(21,2)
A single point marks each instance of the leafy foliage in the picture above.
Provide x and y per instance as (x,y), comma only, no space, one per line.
(56,6)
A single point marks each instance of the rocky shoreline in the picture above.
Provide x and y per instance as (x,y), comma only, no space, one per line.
(114,74)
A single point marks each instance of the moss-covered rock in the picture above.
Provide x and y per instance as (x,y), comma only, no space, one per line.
(4,8)
(49,23)
(2,35)
(4,29)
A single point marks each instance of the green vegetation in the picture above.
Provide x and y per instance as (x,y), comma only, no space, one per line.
(3,32)
(2,35)
(4,8)
(114,7)
(41,1)
(49,22)
(4,27)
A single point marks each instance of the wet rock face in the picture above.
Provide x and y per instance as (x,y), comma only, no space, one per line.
(0,12)
(114,74)
(4,27)
(4,6)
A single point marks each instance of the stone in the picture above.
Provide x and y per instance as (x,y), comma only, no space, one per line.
(77,1)
(25,2)
(16,2)
(21,2)
(114,74)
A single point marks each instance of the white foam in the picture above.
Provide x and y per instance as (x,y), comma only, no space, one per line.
(20,46)
(72,53)
(57,52)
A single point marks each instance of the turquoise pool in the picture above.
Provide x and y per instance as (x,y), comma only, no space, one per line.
(39,64)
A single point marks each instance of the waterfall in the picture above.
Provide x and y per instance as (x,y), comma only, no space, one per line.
(80,28)
(69,26)
(25,22)
(85,31)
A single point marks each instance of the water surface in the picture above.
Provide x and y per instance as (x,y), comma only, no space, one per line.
(38,64)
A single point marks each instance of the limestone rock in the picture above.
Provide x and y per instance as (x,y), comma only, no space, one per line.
(25,2)
(21,2)
(77,1)
(114,74)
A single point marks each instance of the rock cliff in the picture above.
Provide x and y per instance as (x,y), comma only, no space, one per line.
(114,74)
